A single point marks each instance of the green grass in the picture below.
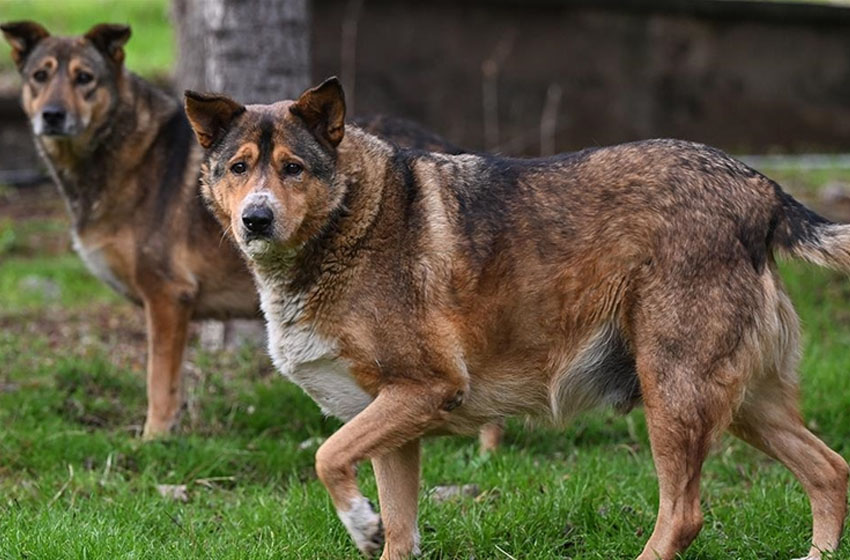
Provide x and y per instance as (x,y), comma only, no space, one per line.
(151,50)
(76,482)
(34,283)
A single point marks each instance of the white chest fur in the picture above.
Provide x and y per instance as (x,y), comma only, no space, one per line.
(96,262)
(308,359)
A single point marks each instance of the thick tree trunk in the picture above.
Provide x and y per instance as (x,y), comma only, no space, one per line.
(257,51)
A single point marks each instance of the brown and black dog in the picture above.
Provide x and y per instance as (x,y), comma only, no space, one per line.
(123,156)
(413,293)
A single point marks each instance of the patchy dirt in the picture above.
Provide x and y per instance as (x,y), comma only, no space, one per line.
(29,203)
(97,360)
(33,221)
(119,329)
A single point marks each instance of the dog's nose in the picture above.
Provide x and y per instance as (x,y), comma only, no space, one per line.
(258,219)
(53,117)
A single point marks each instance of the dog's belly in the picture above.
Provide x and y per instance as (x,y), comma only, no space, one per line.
(600,372)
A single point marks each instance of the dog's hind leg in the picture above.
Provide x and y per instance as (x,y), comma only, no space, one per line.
(167,321)
(683,415)
(770,420)
(490,436)
(386,430)
(692,364)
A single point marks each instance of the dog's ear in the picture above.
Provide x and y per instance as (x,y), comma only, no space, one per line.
(23,36)
(322,109)
(210,115)
(110,38)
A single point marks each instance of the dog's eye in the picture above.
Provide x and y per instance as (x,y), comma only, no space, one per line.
(84,78)
(239,168)
(292,169)
(40,76)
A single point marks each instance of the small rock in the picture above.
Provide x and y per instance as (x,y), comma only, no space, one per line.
(311,442)
(9,387)
(835,192)
(177,492)
(445,493)
(49,289)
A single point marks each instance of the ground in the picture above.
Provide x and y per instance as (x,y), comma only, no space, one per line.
(237,478)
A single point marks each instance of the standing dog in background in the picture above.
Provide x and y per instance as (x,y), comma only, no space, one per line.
(413,293)
(122,154)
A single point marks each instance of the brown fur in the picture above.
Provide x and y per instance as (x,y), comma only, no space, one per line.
(128,169)
(414,293)
(128,172)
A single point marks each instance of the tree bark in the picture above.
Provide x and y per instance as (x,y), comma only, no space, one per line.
(256,51)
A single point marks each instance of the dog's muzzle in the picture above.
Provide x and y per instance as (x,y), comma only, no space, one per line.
(53,121)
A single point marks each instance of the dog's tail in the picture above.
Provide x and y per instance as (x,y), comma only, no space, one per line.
(804,234)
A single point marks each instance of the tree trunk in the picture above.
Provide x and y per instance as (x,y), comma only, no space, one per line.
(256,51)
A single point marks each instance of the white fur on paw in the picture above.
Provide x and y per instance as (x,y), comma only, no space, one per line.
(364,525)
(416,538)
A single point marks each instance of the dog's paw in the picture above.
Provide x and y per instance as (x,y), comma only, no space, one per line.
(417,550)
(364,525)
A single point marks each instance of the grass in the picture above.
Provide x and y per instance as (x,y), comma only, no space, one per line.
(76,482)
(151,50)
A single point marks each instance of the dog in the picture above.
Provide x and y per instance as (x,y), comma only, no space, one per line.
(414,293)
(124,157)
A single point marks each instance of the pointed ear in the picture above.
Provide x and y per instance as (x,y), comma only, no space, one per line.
(23,36)
(109,38)
(323,111)
(210,115)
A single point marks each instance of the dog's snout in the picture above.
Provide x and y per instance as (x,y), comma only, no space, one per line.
(54,117)
(258,219)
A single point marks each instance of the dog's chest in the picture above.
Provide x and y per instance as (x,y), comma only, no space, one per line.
(308,359)
(100,259)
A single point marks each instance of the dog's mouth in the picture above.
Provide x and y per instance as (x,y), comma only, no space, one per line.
(55,133)
(267,251)
(254,245)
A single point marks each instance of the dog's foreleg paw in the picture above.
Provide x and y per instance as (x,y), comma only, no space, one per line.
(364,525)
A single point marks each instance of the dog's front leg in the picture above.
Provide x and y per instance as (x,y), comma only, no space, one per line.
(387,430)
(167,322)
(397,474)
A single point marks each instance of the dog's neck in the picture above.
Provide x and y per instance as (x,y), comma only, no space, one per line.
(87,167)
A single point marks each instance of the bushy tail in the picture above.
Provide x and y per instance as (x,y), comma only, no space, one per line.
(804,234)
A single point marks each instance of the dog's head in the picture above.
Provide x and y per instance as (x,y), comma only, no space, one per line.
(69,83)
(269,169)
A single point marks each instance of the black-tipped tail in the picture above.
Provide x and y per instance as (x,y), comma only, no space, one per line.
(804,234)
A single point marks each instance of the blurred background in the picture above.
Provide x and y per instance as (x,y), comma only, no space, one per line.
(767,81)
(523,77)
